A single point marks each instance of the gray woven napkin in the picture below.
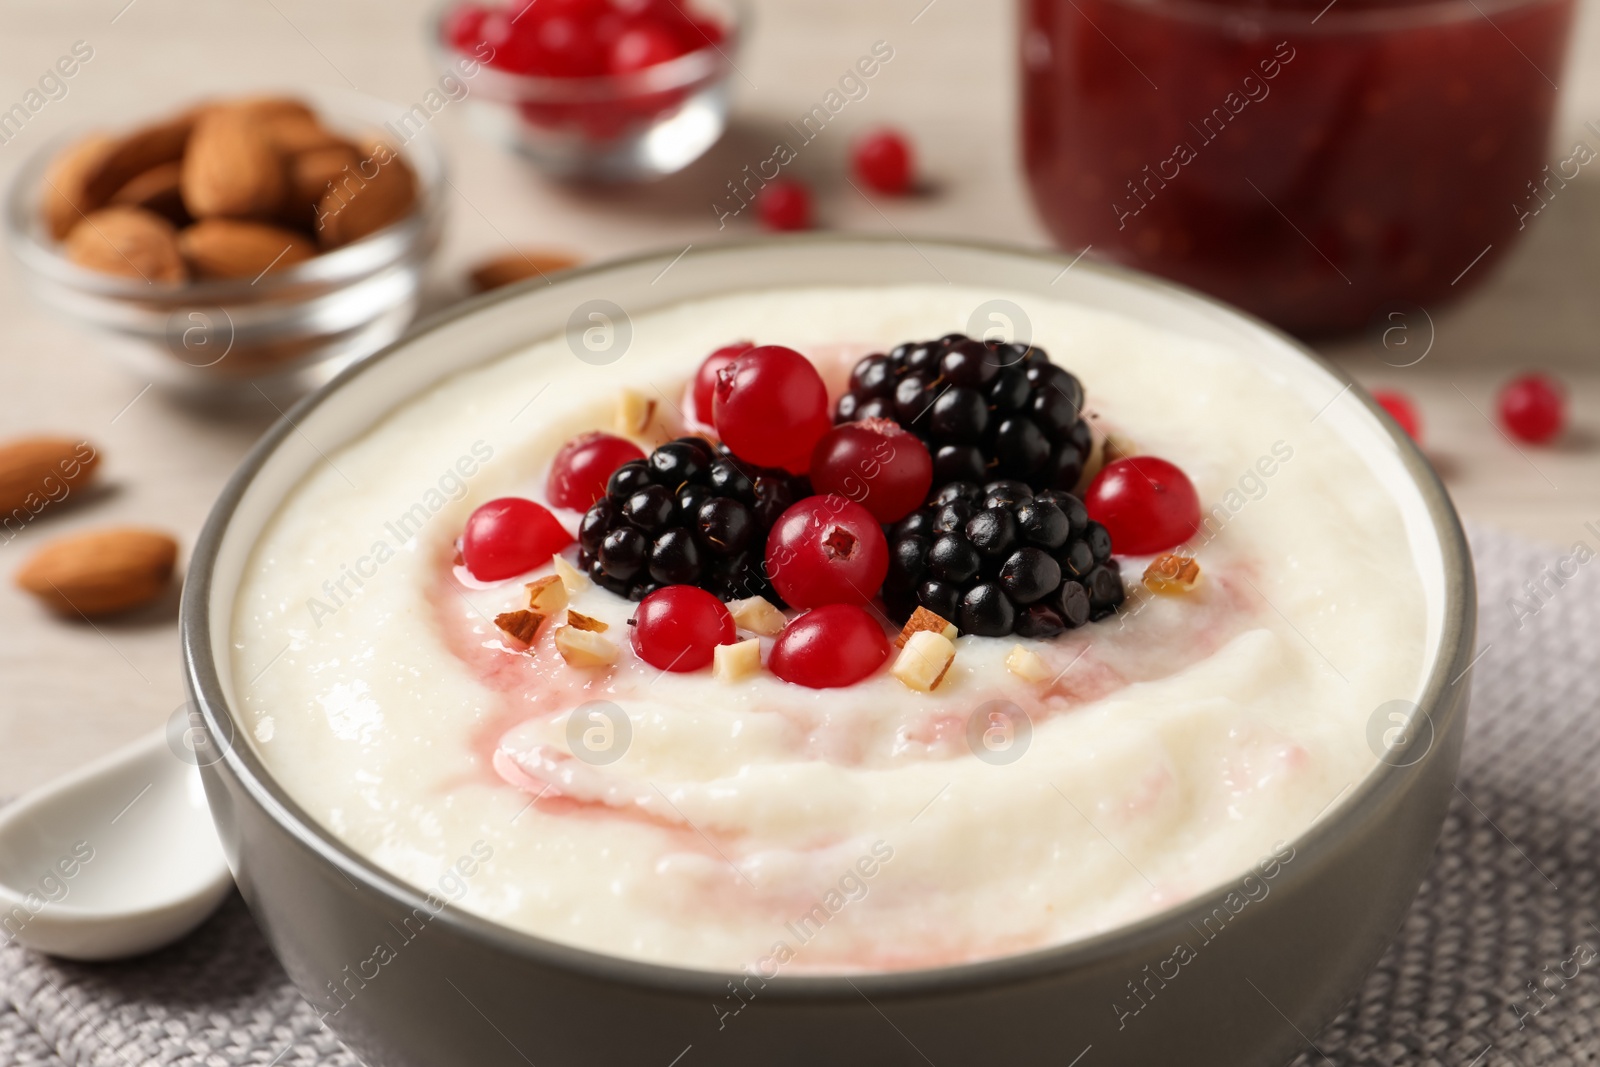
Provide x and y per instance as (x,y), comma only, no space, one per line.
(1497,965)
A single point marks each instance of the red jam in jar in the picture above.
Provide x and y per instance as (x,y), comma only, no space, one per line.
(1312,162)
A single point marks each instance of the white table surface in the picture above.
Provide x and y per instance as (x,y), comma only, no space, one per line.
(69,691)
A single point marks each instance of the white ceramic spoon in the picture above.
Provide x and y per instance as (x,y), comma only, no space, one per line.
(114,860)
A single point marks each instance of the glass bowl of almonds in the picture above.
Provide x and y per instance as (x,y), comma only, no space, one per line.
(234,241)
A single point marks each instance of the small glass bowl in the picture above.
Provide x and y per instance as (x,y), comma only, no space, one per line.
(613,128)
(288,328)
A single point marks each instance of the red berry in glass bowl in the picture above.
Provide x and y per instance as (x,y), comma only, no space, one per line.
(463,26)
(679,627)
(644,45)
(784,205)
(829,647)
(510,536)
(770,407)
(1402,409)
(1145,503)
(876,463)
(705,379)
(579,473)
(827,550)
(1533,408)
(882,160)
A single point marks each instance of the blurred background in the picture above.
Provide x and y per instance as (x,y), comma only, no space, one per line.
(953,90)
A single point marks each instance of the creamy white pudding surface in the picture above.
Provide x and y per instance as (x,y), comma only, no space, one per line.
(761,824)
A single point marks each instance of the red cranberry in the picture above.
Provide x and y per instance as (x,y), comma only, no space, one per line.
(829,647)
(678,628)
(1533,408)
(705,379)
(1147,504)
(581,469)
(510,536)
(876,463)
(785,205)
(1402,409)
(827,550)
(882,160)
(463,26)
(770,407)
(644,45)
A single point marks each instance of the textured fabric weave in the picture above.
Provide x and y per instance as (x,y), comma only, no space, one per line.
(1488,969)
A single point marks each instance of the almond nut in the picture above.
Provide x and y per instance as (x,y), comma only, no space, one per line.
(37,470)
(924,661)
(758,615)
(63,196)
(1027,664)
(158,189)
(520,626)
(547,595)
(518,266)
(129,241)
(575,580)
(311,175)
(231,168)
(101,572)
(583,648)
(379,191)
(923,619)
(735,662)
(133,154)
(233,248)
(1171,574)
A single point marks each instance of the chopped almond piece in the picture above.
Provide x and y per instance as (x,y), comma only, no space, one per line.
(758,616)
(571,577)
(583,648)
(584,622)
(924,661)
(521,626)
(634,412)
(731,663)
(1027,664)
(1171,574)
(924,621)
(547,595)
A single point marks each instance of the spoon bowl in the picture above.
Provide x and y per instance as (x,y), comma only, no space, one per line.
(113,860)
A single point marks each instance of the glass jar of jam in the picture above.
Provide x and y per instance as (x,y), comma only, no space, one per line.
(1311,161)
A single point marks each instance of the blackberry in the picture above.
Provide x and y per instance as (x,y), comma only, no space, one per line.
(998,558)
(687,514)
(986,410)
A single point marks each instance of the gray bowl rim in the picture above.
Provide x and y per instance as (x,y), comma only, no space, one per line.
(1365,801)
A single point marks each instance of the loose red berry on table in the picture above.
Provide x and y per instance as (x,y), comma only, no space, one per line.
(510,536)
(679,627)
(1145,503)
(876,463)
(883,161)
(579,473)
(784,205)
(1533,408)
(827,550)
(1402,409)
(705,379)
(829,647)
(770,407)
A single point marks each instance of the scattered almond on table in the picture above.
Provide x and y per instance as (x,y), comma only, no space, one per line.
(38,471)
(518,266)
(101,572)
(226,189)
